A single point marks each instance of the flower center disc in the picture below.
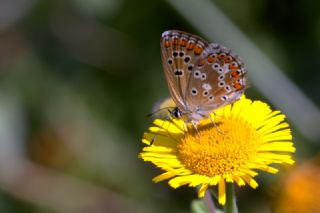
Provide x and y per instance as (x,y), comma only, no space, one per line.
(219,149)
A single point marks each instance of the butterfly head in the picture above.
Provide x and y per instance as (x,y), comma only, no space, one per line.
(189,116)
(176,113)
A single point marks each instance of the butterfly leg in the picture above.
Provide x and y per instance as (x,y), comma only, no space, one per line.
(215,125)
(185,128)
(195,127)
(215,114)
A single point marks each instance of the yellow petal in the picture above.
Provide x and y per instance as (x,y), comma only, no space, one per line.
(202,190)
(163,176)
(250,181)
(182,180)
(222,192)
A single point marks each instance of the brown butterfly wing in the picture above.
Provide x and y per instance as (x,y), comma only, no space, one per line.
(180,52)
(218,79)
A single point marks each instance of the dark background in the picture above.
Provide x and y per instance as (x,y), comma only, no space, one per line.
(78,78)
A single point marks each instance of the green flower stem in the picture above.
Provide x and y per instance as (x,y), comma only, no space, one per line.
(231,206)
(209,202)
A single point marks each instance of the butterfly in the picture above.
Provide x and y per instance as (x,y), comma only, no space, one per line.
(201,76)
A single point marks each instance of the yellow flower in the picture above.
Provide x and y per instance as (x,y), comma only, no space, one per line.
(300,189)
(247,136)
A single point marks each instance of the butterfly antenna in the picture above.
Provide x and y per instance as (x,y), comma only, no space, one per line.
(157,133)
(155,112)
(195,127)
(169,126)
(185,128)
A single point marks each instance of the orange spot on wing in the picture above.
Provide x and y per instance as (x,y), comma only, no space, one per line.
(212,58)
(222,56)
(197,50)
(175,41)
(190,46)
(202,62)
(183,42)
(233,66)
(228,59)
(235,74)
(238,86)
(167,44)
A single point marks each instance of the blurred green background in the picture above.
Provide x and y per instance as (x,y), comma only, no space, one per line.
(79,77)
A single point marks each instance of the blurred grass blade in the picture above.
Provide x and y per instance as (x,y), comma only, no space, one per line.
(198,206)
